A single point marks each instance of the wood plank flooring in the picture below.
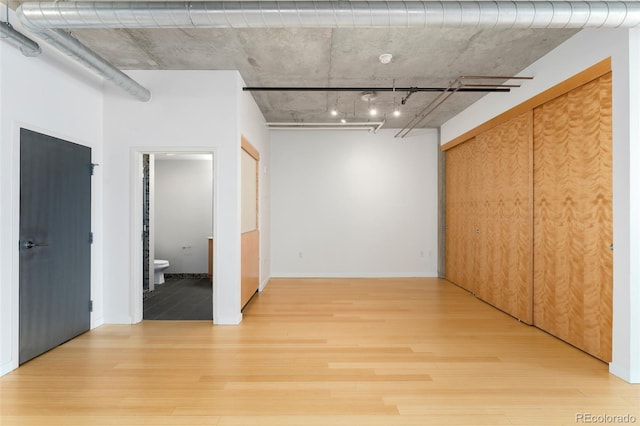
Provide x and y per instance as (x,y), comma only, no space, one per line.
(321,352)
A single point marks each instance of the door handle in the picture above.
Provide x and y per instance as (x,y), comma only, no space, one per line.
(30,244)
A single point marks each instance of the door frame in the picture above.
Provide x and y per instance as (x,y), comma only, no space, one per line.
(248,237)
(13,261)
(135,220)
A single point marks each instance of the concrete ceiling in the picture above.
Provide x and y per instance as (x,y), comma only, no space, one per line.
(333,57)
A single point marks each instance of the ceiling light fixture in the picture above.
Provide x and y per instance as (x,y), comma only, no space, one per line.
(368,95)
(334,111)
(371,108)
(396,107)
(385,58)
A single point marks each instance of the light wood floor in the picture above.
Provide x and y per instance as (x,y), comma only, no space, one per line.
(321,352)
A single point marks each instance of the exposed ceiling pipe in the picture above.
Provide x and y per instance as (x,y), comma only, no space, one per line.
(332,14)
(68,44)
(27,46)
(484,89)
(458,85)
(371,126)
(47,18)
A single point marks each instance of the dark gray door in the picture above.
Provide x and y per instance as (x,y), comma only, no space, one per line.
(55,242)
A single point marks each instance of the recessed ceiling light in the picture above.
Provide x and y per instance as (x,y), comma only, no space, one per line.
(373,111)
(385,58)
(342,120)
(334,112)
(396,113)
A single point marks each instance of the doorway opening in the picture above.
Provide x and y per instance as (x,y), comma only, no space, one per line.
(173,208)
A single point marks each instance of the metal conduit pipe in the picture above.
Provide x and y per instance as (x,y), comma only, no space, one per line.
(332,14)
(47,18)
(27,46)
(68,44)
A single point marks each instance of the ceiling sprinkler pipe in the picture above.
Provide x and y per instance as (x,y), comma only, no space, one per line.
(27,46)
(69,45)
(332,14)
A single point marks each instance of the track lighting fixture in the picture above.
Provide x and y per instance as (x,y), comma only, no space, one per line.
(396,108)
(334,110)
(372,109)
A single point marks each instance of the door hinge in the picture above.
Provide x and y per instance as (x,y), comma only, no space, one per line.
(92,167)
(90,237)
(90,305)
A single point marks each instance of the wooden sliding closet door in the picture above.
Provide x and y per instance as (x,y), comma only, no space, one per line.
(476,217)
(507,227)
(573,217)
(488,216)
(459,216)
(454,176)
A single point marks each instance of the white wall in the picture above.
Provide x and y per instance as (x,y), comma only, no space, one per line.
(183,213)
(581,51)
(189,111)
(353,204)
(253,128)
(48,95)
(626,218)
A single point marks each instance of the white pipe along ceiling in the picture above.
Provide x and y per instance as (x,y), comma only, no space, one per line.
(49,20)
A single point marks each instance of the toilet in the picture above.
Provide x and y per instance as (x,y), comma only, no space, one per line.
(159,266)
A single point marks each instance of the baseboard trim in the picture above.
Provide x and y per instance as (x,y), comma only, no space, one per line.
(119,320)
(96,322)
(624,373)
(231,320)
(264,283)
(7,368)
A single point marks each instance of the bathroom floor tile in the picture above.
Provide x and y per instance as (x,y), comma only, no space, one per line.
(180,299)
